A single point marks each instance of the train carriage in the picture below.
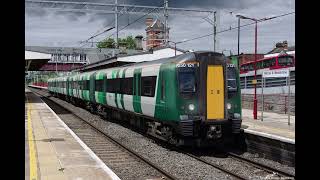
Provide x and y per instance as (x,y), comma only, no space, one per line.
(99,78)
(75,86)
(85,88)
(64,86)
(184,99)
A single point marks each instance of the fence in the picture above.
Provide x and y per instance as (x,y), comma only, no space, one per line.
(277,103)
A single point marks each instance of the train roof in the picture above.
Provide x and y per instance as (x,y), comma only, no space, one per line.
(179,58)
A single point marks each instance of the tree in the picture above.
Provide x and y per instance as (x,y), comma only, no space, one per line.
(106,43)
(128,42)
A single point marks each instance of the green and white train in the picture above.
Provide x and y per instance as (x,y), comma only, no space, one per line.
(185,100)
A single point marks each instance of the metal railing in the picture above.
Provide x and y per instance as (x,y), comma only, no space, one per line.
(246,82)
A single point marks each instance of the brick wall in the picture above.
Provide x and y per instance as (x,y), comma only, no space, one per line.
(277,103)
(244,58)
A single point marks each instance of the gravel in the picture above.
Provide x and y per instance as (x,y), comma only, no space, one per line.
(274,164)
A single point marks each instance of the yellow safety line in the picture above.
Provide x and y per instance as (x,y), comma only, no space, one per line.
(32,149)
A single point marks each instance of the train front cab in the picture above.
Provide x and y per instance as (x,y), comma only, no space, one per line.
(213,97)
(210,122)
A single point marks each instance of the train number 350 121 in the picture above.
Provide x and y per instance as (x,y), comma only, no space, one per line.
(185,65)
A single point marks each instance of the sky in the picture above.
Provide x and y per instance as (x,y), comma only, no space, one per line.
(45,27)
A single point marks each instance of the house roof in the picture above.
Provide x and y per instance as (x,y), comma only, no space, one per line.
(93,54)
(35,60)
(279,49)
(30,55)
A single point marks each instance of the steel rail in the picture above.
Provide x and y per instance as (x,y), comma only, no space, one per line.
(260,165)
(168,175)
(215,166)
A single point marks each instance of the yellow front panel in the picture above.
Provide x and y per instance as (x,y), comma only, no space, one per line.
(215,92)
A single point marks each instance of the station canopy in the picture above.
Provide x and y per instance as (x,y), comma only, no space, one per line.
(35,60)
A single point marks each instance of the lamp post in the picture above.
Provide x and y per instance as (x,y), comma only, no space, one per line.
(255,60)
(239,17)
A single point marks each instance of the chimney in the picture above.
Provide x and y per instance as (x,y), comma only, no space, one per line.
(138,41)
(285,44)
(149,21)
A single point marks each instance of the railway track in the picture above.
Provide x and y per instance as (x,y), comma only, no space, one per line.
(276,173)
(115,154)
(114,157)
(261,166)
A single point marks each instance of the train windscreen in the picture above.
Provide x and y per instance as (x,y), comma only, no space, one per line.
(285,61)
(187,82)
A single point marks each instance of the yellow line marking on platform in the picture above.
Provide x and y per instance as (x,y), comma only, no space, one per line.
(32,150)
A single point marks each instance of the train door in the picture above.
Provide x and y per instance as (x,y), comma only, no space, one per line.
(137,90)
(215,92)
(161,110)
(92,87)
(77,86)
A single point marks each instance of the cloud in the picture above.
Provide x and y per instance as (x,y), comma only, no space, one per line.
(45,27)
(36,12)
(70,16)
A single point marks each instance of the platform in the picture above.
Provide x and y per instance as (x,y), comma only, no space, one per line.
(53,151)
(274,125)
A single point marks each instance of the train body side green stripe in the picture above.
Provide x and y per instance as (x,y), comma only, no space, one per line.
(115,74)
(137,90)
(123,76)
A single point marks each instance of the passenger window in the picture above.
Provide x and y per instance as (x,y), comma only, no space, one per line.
(273,61)
(113,85)
(126,86)
(80,84)
(86,84)
(148,85)
(99,85)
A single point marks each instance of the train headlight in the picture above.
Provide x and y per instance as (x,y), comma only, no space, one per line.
(191,107)
(228,106)
(236,115)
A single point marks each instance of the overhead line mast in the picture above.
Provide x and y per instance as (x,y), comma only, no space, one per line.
(166,15)
(116,23)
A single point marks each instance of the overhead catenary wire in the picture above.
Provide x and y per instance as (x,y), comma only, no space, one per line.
(136,20)
(152,10)
(232,28)
(97,32)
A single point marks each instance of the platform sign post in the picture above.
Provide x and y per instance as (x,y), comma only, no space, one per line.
(288,78)
(262,105)
(279,73)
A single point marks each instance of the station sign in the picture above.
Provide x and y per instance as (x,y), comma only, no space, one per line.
(276,73)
